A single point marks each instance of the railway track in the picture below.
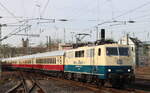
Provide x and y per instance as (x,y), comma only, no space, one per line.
(143,76)
(95,88)
(135,88)
(30,83)
(26,84)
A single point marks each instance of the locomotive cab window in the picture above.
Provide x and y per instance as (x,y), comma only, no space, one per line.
(117,51)
(123,51)
(112,51)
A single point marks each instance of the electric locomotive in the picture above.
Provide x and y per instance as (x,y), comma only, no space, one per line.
(102,63)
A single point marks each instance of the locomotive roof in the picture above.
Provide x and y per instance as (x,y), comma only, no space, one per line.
(38,55)
(105,45)
(119,45)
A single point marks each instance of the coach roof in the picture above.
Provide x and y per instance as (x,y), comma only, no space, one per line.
(38,55)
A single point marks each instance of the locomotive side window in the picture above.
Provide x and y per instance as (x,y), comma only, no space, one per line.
(79,53)
(76,53)
(99,52)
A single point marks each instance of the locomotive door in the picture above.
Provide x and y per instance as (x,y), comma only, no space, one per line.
(92,61)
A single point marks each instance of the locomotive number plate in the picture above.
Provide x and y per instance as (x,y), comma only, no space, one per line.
(120,62)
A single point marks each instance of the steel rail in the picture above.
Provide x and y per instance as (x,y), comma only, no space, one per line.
(14,88)
(35,84)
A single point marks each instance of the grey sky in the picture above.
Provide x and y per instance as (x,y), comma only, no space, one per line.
(83,15)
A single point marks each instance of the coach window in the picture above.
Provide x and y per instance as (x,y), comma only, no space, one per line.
(45,61)
(42,61)
(55,61)
(29,61)
(39,61)
(52,60)
(48,61)
(99,52)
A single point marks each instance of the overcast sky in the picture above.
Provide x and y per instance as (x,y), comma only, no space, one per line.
(82,16)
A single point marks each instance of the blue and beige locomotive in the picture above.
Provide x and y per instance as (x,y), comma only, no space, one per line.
(102,63)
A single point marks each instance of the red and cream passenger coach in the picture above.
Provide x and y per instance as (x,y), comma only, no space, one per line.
(53,61)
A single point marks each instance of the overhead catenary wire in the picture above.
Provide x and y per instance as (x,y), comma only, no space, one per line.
(142,17)
(125,13)
(132,10)
(17,30)
(8,11)
(45,7)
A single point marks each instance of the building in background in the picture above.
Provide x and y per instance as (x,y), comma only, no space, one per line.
(137,49)
(147,52)
(64,46)
(25,42)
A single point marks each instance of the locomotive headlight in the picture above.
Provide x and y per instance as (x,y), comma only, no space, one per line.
(129,70)
(109,70)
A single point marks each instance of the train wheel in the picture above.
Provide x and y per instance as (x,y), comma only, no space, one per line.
(72,76)
(60,75)
(65,75)
(88,78)
(100,83)
(75,77)
(118,84)
(69,76)
(83,78)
